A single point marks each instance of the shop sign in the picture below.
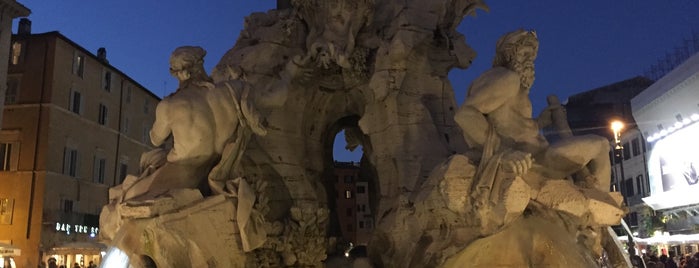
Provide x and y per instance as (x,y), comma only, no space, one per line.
(76,228)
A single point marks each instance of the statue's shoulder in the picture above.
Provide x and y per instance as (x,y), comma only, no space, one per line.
(499,74)
(497,78)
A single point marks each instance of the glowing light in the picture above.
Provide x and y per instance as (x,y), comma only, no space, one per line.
(686,121)
(617,126)
(694,117)
(663,133)
(115,258)
(671,129)
(650,139)
(679,124)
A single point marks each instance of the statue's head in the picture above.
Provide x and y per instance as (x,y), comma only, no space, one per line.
(333,26)
(517,50)
(187,62)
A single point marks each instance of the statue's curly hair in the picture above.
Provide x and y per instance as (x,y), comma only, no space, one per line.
(507,45)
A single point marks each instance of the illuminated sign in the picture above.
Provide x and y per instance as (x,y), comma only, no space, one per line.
(76,228)
(673,169)
(7,251)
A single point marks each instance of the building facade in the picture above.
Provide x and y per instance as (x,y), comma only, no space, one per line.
(591,112)
(667,114)
(353,203)
(73,126)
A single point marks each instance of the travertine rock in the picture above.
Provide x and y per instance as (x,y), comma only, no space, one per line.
(450,184)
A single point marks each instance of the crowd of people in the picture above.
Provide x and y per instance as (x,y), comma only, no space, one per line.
(52,263)
(672,261)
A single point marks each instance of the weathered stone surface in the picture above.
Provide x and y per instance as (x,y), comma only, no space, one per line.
(174,199)
(469,186)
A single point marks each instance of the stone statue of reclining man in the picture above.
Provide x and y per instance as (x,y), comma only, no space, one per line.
(496,116)
(202,119)
(496,120)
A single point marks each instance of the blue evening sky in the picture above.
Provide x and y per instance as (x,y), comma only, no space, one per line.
(583,44)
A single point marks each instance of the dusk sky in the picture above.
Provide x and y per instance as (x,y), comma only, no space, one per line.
(583,44)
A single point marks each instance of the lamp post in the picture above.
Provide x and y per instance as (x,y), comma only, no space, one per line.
(617,126)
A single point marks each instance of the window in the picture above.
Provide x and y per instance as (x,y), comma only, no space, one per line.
(76,102)
(70,162)
(78,64)
(102,118)
(99,169)
(361,208)
(627,152)
(635,147)
(67,206)
(361,189)
(7,207)
(349,212)
(348,194)
(639,184)
(629,187)
(12,90)
(123,171)
(5,156)
(16,53)
(361,224)
(107,81)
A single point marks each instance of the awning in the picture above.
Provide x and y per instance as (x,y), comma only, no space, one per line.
(78,248)
(666,239)
(7,250)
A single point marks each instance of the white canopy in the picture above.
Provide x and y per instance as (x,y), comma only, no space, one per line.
(666,239)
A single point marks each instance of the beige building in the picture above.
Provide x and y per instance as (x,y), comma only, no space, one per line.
(73,126)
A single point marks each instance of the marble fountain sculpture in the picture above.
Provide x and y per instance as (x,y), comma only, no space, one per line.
(241,181)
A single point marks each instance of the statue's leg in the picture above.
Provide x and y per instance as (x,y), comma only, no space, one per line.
(586,155)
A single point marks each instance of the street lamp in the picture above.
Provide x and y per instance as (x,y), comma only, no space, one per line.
(616,127)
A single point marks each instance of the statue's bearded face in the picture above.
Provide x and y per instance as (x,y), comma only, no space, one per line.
(333,27)
(522,62)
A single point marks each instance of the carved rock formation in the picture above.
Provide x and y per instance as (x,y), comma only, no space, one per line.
(378,69)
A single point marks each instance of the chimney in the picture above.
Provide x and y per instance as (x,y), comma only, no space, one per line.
(24,27)
(102,55)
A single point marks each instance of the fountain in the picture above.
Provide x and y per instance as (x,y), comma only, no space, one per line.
(242,183)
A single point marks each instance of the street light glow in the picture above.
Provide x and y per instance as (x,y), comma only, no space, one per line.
(617,126)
